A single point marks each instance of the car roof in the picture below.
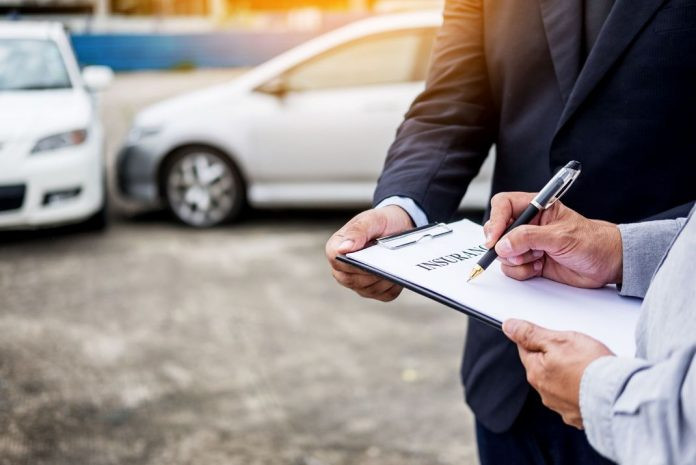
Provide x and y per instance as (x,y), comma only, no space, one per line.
(372,25)
(411,19)
(30,30)
(361,28)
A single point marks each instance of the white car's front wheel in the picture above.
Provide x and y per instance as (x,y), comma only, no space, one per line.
(202,187)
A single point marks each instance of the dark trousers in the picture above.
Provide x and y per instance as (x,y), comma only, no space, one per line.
(538,437)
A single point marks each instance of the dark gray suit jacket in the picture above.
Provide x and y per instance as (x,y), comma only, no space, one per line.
(510,73)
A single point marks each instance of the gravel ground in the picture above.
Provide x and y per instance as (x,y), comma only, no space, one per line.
(156,344)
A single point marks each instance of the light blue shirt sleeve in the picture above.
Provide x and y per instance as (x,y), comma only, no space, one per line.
(414,211)
(640,413)
(644,246)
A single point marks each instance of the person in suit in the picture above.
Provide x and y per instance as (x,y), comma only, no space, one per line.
(639,410)
(610,84)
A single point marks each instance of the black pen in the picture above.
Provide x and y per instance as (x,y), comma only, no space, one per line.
(552,191)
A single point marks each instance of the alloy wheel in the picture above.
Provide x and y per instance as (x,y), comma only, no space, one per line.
(201,189)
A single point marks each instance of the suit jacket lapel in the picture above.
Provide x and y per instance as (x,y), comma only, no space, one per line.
(563,24)
(625,21)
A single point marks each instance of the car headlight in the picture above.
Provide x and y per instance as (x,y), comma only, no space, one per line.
(138,133)
(59,141)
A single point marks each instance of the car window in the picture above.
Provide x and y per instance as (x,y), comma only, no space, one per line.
(423,61)
(28,64)
(379,59)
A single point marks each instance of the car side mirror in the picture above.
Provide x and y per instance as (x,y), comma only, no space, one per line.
(97,78)
(276,87)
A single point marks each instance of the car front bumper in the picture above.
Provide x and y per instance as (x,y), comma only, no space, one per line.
(51,188)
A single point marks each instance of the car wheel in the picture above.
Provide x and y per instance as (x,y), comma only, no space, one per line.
(202,187)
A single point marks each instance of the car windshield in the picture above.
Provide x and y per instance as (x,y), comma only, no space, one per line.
(28,64)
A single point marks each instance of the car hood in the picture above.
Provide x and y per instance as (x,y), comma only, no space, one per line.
(160,113)
(29,115)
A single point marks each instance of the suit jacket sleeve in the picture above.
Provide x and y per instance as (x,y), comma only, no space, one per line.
(449,129)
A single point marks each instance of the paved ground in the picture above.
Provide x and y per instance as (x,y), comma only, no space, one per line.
(157,344)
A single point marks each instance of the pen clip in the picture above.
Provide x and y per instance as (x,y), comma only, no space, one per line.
(413,236)
(563,190)
(558,185)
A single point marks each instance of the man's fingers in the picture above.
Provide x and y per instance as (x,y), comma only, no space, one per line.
(528,237)
(527,335)
(504,207)
(530,360)
(354,236)
(345,267)
(534,369)
(523,272)
(573,420)
(382,290)
(527,257)
(355,280)
(367,285)
(343,242)
(365,227)
(331,251)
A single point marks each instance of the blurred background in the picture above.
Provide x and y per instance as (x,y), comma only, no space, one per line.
(169,173)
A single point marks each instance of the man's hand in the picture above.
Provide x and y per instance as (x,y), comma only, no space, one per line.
(560,244)
(353,236)
(555,362)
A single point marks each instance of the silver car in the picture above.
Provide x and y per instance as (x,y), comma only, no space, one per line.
(309,128)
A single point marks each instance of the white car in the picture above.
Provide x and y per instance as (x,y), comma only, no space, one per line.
(51,140)
(309,128)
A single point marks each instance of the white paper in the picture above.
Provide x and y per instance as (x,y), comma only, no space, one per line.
(600,313)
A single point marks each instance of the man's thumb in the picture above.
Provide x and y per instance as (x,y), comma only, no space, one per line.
(526,334)
(348,245)
(355,236)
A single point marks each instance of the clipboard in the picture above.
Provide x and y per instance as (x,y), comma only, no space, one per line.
(431,231)
(434,261)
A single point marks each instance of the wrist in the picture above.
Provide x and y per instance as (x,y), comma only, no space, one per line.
(398,218)
(615,253)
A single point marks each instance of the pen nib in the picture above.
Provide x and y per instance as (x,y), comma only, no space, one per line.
(477,270)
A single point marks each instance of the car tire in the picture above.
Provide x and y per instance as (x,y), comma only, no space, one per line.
(202,187)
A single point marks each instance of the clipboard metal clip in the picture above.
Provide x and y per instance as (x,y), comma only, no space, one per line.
(413,236)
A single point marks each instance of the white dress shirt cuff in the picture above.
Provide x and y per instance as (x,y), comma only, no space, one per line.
(417,215)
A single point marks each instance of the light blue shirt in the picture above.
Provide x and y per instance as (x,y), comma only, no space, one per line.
(417,215)
(642,410)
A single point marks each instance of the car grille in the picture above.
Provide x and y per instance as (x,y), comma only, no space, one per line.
(11,197)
